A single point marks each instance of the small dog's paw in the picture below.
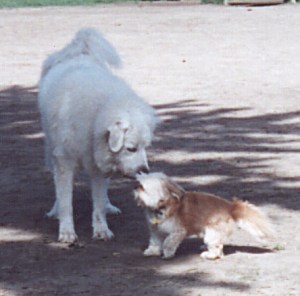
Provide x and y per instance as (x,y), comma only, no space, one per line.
(168,254)
(210,255)
(105,235)
(152,251)
(110,209)
(67,237)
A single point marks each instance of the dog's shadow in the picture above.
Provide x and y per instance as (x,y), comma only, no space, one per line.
(231,249)
(196,246)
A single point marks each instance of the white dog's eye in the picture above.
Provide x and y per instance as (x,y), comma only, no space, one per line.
(132,149)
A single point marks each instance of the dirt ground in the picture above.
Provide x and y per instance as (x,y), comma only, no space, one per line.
(225,81)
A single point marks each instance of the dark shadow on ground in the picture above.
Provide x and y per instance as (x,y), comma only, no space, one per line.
(195,246)
(230,249)
(256,140)
(41,267)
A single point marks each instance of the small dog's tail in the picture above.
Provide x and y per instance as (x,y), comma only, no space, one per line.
(87,41)
(251,219)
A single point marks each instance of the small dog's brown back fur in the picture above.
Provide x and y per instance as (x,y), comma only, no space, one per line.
(198,209)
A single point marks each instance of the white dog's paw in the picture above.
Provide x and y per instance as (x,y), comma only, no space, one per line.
(110,209)
(67,237)
(67,232)
(152,251)
(105,234)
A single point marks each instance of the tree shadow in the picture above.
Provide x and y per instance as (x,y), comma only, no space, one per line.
(93,270)
(189,129)
(237,149)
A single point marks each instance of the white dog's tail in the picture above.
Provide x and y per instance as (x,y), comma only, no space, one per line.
(251,219)
(86,42)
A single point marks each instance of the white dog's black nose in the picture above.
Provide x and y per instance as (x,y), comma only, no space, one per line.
(143,170)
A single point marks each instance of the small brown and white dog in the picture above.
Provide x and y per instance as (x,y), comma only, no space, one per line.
(174,214)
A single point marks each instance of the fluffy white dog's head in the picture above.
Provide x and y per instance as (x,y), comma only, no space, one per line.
(125,140)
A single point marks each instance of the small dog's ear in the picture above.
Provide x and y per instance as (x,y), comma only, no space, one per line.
(136,193)
(174,189)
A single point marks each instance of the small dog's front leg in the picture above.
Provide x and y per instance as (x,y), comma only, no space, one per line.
(155,243)
(171,243)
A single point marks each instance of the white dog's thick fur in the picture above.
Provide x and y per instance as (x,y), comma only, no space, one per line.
(92,119)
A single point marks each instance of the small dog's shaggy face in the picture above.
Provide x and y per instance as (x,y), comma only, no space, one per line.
(156,190)
(174,214)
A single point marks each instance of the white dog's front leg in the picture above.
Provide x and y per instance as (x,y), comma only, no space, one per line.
(172,242)
(100,206)
(63,178)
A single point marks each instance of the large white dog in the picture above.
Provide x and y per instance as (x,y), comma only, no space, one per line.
(92,120)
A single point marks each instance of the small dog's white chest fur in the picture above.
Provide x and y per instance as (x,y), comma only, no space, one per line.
(168,226)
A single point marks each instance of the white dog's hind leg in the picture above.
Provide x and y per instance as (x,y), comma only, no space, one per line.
(63,178)
(100,202)
(110,208)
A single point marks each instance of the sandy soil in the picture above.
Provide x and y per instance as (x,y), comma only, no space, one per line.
(225,81)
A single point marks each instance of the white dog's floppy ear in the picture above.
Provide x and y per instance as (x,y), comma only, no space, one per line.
(174,189)
(116,135)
